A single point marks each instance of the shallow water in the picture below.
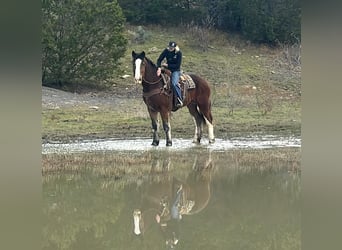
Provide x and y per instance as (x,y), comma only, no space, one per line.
(240,201)
(178,144)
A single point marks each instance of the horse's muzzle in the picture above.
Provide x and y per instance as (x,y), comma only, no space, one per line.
(138,81)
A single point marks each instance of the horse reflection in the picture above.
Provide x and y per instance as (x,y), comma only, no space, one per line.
(165,199)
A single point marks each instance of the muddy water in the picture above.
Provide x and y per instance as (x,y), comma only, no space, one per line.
(178,144)
(239,195)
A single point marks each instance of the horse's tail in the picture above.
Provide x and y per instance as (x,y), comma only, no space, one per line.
(201,116)
(210,118)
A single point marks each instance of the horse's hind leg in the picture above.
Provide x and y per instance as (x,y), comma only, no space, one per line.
(210,130)
(206,111)
(155,129)
(198,119)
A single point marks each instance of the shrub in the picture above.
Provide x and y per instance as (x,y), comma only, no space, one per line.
(82,41)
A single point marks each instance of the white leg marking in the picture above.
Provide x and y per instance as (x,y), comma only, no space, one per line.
(169,133)
(210,130)
(196,130)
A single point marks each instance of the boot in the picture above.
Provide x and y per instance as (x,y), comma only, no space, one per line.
(179,103)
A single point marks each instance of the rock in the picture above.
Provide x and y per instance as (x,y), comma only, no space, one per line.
(125,76)
(94,107)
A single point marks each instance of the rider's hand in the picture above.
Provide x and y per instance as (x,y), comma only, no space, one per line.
(158,71)
(164,65)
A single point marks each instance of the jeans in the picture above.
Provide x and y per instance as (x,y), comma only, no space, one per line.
(175,207)
(174,79)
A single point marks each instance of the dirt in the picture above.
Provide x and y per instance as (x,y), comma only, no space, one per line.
(55,98)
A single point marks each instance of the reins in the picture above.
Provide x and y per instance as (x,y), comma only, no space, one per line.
(152,82)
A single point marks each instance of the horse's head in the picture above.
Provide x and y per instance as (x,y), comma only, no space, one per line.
(138,66)
(144,70)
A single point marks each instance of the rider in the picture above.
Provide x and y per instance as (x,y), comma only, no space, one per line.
(173,57)
(170,228)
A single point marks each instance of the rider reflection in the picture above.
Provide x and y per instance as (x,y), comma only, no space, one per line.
(175,213)
(170,229)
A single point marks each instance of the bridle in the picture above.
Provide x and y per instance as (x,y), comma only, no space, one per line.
(143,64)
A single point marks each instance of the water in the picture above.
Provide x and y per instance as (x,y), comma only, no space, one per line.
(242,198)
(140,144)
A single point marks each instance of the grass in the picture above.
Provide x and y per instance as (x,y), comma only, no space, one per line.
(84,123)
(137,164)
(255,89)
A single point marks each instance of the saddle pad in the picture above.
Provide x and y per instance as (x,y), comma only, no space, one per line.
(187,81)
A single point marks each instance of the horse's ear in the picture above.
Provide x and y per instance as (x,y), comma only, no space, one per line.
(133,53)
(143,54)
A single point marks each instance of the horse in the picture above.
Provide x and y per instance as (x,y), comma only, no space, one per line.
(159,100)
(165,199)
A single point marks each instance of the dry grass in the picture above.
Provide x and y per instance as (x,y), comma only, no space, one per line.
(139,164)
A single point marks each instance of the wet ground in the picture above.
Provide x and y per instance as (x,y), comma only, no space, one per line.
(140,144)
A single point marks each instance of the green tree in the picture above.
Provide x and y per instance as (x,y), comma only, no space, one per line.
(162,12)
(271,21)
(266,21)
(82,41)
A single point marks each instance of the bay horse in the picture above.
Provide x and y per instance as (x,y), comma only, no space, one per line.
(159,100)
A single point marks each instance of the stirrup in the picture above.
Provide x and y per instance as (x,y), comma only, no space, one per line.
(179,102)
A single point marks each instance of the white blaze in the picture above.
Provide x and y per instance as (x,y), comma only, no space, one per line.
(136,221)
(137,69)
(136,225)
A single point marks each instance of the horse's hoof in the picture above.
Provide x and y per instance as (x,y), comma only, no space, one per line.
(169,143)
(155,143)
(197,141)
(212,141)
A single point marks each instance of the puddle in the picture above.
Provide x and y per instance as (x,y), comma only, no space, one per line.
(142,144)
(199,199)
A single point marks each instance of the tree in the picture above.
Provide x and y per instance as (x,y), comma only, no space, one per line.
(162,12)
(266,21)
(260,21)
(82,40)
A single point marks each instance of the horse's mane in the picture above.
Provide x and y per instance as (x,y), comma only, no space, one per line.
(150,62)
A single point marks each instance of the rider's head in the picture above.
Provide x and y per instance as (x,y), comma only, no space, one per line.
(172,45)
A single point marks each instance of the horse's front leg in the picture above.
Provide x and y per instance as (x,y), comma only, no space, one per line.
(165,115)
(155,127)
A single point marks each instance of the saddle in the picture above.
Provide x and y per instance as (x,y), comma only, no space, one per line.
(185,83)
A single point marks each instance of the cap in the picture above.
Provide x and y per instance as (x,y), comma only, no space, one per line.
(172,44)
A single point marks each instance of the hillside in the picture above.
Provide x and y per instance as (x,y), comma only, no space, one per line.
(255,89)
(221,58)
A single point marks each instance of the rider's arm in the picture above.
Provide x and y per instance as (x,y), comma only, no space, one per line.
(161,58)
